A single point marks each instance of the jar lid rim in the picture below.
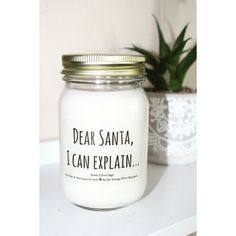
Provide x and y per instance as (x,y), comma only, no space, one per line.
(103,59)
(103,65)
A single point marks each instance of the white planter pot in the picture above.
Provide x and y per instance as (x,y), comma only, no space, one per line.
(172,128)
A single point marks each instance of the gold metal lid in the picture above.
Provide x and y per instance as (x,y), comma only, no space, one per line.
(103,65)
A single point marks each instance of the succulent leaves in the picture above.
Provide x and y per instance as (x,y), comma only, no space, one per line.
(168,61)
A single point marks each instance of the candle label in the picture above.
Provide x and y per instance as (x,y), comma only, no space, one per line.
(101,155)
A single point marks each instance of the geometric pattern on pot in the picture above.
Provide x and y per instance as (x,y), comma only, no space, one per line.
(172,126)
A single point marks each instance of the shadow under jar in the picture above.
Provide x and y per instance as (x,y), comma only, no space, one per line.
(103,130)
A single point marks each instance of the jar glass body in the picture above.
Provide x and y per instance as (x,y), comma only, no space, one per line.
(103,143)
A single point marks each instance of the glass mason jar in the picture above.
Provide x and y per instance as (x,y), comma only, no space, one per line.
(103,130)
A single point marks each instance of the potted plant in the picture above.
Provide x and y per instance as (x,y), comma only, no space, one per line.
(172,114)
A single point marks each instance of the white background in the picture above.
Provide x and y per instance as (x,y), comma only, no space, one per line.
(104,26)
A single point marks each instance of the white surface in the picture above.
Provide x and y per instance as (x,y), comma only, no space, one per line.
(168,207)
(73,26)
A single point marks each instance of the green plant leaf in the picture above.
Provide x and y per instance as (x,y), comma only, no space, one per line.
(175,85)
(171,68)
(177,52)
(174,57)
(162,66)
(156,79)
(150,58)
(164,49)
(179,40)
(184,65)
